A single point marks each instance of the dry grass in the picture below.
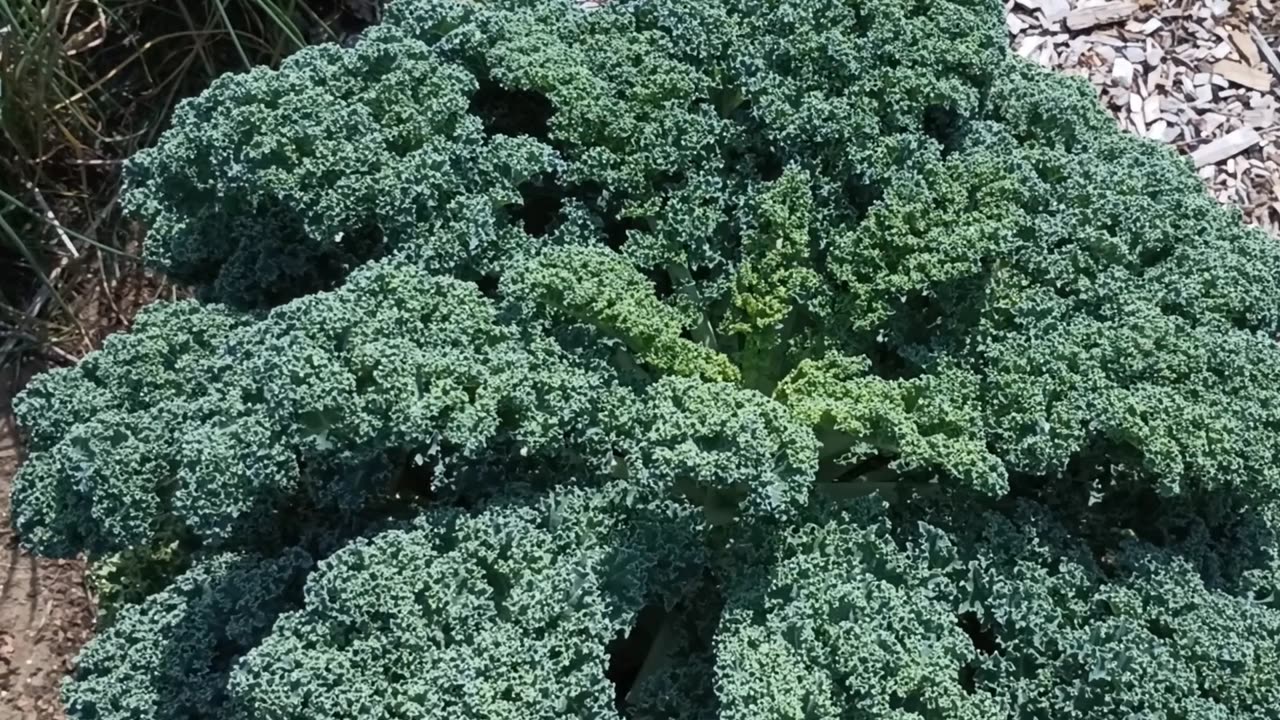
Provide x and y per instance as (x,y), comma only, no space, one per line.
(83,85)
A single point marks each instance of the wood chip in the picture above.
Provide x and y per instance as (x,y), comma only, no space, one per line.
(1048,57)
(1201,77)
(1241,74)
(1244,43)
(1084,18)
(1122,73)
(1030,45)
(1259,117)
(1211,121)
(1153,55)
(1151,108)
(1265,49)
(1227,146)
(1104,40)
(1054,10)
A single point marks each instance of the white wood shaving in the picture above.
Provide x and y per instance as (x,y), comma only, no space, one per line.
(1200,75)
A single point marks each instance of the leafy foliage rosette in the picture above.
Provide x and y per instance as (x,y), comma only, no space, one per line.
(769,359)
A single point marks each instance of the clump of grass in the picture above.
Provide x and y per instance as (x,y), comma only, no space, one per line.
(83,85)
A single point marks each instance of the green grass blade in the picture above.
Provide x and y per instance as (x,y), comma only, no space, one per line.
(34,263)
(231,30)
(282,21)
(59,226)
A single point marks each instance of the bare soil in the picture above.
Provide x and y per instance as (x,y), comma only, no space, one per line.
(46,613)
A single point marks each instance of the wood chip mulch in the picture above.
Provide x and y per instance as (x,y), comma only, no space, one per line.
(1200,75)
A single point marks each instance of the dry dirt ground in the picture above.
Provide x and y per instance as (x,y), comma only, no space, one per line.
(45,610)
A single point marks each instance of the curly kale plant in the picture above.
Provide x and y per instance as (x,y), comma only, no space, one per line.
(696,359)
